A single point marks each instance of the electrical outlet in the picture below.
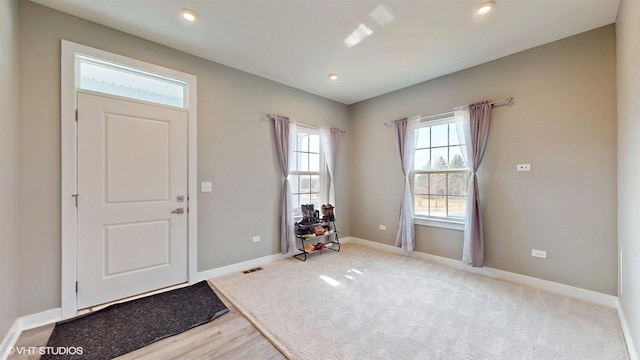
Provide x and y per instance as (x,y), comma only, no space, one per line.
(539,253)
(523,167)
(206,186)
(255,239)
(383,227)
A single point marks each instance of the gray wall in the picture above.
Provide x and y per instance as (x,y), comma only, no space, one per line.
(628,36)
(8,164)
(563,123)
(235,149)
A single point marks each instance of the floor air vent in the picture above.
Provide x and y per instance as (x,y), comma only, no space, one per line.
(252,270)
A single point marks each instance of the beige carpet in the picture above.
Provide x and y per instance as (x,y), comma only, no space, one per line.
(363,303)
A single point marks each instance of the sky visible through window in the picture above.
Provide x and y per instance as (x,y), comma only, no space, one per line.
(438,147)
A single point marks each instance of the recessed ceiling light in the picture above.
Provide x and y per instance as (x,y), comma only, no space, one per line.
(485,7)
(333,76)
(189,15)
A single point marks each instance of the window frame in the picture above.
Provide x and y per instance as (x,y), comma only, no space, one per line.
(323,193)
(454,223)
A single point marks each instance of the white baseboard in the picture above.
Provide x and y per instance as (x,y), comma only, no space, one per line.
(25,323)
(241,266)
(249,264)
(562,289)
(633,354)
(39,319)
(10,339)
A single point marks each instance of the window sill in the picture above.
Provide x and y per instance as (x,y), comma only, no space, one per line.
(445,224)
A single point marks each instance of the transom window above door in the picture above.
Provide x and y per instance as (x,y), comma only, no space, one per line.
(111,78)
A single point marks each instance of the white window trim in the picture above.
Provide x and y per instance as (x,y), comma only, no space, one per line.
(69,50)
(439,223)
(445,223)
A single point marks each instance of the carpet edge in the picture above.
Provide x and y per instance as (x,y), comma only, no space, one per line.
(272,338)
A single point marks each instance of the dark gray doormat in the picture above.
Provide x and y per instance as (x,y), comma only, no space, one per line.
(122,328)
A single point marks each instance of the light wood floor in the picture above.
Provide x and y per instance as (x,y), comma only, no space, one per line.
(230,336)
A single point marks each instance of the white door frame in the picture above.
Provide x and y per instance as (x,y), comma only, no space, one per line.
(69,134)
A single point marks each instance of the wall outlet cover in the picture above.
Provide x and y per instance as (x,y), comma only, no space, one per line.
(539,253)
(206,186)
(523,167)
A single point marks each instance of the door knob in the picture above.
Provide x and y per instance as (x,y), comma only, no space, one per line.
(179,210)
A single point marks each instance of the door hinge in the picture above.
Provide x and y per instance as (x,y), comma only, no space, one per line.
(76,114)
(76,287)
(187,210)
(75,196)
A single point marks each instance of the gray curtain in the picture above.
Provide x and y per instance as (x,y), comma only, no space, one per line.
(405,147)
(330,139)
(476,131)
(284,129)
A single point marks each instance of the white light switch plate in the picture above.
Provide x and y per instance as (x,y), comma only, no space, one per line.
(206,186)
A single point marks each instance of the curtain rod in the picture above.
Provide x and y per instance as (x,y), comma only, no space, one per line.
(507,101)
(273,117)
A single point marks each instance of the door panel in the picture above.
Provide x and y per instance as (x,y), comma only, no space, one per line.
(136,171)
(132,168)
(145,243)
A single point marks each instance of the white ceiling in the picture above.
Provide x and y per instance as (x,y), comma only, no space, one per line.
(300,42)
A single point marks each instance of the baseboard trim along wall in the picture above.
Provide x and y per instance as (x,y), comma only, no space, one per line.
(50,316)
(25,323)
(571,291)
(241,266)
(10,339)
(628,339)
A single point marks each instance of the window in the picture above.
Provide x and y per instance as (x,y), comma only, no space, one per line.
(110,78)
(440,174)
(307,175)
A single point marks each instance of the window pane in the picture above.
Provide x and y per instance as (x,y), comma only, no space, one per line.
(437,184)
(456,161)
(439,158)
(423,140)
(315,200)
(421,184)
(457,184)
(305,184)
(314,143)
(303,142)
(297,210)
(305,199)
(109,78)
(294,183)
(439,135)
(437,206)
(315,183)
(457,206)
(421,205)
(453,134)
(314,162)
(302,161)
(421,159)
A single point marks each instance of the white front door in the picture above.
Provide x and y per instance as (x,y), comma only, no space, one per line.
(132,183)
